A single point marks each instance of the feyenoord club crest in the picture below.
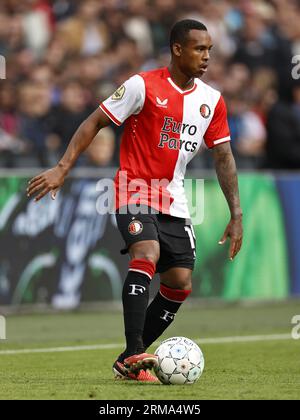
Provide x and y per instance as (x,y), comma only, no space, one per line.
(135,227)
(205,110)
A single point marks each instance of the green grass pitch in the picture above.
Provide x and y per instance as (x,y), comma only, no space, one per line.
(233,370)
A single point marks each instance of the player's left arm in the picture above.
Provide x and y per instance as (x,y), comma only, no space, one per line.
(227,177)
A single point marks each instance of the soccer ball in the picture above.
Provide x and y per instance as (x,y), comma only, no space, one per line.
(180,361)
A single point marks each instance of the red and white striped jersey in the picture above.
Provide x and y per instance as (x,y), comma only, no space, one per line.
(164,129)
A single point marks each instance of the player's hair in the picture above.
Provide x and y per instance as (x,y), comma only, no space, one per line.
(180,30)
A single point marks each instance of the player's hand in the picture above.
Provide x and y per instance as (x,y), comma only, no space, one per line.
(234,231)
(48,181)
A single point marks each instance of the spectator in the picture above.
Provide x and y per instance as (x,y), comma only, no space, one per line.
(101,151)
(255,42)
(283,127)
(36,120)
(10,144)
(37,24)
(73,109)
(85,33)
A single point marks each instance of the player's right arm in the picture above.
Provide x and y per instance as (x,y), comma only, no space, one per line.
(52,179)
(128,99)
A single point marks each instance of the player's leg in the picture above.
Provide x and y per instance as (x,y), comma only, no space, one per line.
(175,287)
(135,296)
(176,263)
(141,238)
(143,258)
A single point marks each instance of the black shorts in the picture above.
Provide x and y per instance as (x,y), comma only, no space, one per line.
(175,236)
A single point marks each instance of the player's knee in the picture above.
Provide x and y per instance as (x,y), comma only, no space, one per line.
(185,283)
(149,252)
(180,281)
(152,258)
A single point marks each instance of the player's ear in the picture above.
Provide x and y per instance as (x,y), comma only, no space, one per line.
(176,49)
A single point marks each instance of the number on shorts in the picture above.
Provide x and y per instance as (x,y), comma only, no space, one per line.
(191,233)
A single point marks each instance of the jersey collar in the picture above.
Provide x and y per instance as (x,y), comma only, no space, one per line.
(173,84)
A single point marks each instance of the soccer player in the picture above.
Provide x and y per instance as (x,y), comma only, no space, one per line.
(168,113)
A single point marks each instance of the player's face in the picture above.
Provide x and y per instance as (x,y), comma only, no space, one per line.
(195,52)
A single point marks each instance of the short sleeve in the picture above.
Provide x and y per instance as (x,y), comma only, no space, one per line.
(128,99)
(218,129)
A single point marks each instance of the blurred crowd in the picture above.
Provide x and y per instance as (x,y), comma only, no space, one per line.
(63,57)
